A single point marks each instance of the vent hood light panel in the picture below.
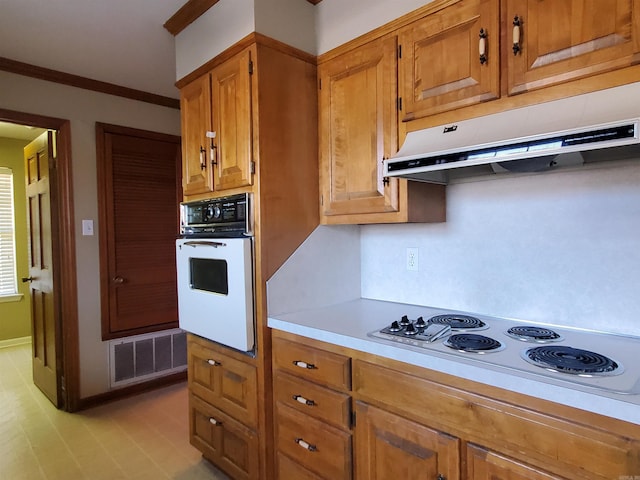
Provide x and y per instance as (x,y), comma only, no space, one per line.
(540,134)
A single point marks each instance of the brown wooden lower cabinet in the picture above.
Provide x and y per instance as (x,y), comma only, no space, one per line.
(391,447)
(414,423)
(222,440)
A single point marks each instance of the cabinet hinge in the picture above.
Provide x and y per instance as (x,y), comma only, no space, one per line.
(353,418)
(399,51)
(399,104)
(250,67)
(252,166)
(319,84)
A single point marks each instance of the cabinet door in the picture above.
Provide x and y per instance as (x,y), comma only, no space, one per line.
(222,440)
(195,107)
(440,64)
(388,446)
(563,40)
(358,128)
(231,146)
(483,464)
(224,382)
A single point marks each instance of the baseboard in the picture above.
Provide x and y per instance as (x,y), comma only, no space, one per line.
(131,390)
(14,342)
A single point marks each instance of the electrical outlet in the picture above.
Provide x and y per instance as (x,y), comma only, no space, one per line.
(413,259)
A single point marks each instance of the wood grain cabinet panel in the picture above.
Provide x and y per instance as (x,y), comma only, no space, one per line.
(224,441)
(224,382)
(358,129)
(315,365)
(563,40)
(389,446)
(483,464)
(317,446)
(440,65)
(195,119)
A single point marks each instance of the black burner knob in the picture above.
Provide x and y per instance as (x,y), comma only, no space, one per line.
(420,323)
(405,320)
(395,326)
(410,330)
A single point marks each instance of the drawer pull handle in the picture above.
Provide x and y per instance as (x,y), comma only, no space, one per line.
(305,445)
(213,363)
(482,46)
(301,364)
(215,422)
(301,399)
(516,35)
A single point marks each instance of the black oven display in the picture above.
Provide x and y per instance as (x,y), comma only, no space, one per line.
(209,275)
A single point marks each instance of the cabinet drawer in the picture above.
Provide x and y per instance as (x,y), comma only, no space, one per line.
(317,446)
(287,469)
(224,382)
(319,402)
(227,443)
(316,365)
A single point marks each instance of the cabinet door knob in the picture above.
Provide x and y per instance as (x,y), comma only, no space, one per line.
(516,35)
(482,46)
(213,363)
(215,422)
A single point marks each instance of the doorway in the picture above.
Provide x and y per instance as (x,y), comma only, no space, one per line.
(63,256)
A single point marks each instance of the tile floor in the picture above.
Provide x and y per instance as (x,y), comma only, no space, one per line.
(143,437)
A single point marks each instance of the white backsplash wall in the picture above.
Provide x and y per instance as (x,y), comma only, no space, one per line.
(560,248)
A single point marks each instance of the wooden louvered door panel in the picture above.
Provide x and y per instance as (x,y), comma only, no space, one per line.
(140,191)
(563,40)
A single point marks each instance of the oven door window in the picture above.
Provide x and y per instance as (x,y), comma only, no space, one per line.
(209,275)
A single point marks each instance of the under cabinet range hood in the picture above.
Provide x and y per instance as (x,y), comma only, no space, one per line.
(603,125)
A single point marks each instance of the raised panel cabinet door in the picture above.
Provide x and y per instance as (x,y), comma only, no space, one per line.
(441,66)
(388,446)
(230,140)
(195,108)
(224,382)
(562,40)
(358,129)
(483,464)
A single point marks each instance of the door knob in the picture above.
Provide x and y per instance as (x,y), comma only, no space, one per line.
(27,279)
(118,280)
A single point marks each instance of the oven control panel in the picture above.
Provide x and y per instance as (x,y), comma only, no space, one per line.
(223,216)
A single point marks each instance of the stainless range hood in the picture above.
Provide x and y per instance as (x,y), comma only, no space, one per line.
(603,125)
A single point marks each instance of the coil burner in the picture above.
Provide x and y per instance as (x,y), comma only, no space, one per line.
(459,322)
(473,343)
(575,361)
(527,333)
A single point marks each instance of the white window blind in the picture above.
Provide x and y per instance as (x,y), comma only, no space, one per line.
(8,285)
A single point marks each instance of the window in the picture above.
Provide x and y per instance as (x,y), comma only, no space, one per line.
(8,285)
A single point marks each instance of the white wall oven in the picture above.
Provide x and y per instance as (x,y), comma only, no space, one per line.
(214,256)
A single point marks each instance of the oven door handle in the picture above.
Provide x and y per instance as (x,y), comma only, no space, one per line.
(204,243)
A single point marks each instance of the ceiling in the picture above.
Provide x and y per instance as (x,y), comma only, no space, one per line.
(116,41)
(19,132)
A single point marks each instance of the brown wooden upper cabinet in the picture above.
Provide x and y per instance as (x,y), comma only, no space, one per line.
(216,127)
(358,129)
(562,40)
(450,59)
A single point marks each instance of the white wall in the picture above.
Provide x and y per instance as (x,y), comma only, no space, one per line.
(228,21)
(560,248)
(83,108)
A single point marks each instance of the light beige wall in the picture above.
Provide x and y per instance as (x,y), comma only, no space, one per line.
(84,108)
(15,316)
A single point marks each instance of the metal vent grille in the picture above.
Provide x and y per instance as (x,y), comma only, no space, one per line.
(144,357)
